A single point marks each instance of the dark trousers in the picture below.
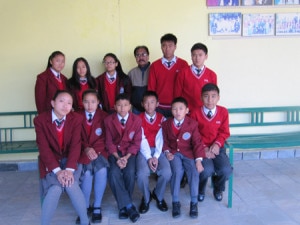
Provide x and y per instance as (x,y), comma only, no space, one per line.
(122,181)
(219,168)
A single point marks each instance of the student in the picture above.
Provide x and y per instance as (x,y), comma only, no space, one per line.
(48,82)
(184,149)
(190,80)
(163,73)
(123,140)
(139,77)
(93,153)
(112,82)
(58,140)
(150,156)
(80,81)
(214,128)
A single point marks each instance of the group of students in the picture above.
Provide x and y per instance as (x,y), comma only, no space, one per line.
(90,133)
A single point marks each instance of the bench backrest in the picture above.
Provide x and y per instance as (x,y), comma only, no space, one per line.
(264,116)
(12,122)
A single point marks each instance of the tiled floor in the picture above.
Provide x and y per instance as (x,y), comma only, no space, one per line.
(266,192)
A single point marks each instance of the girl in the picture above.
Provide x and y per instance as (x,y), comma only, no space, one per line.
(112,82)
(48,82)
(93,153)
(58,139)
(80,81)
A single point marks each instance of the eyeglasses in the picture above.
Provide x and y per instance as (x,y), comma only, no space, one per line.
(141,55)
(108,63)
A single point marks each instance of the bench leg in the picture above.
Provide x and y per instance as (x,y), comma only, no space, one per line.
(230,182)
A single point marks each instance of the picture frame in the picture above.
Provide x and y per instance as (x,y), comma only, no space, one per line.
(286,2)
(222,3)
(287,24)
(225,24)
(256,2)
(258,24)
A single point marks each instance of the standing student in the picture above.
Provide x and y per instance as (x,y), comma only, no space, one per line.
(214,127)
(190,80)
(184,149)
(163,73)
(123,140)
(80,81)
(48,82)
(58,139)
(93,154)
(139,77)
(151,157)
(112,82)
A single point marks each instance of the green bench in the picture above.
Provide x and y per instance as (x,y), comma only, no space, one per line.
(252,125)
(17,133)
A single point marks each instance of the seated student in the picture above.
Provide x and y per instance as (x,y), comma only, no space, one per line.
(150,157)
(184,149)
(214,128)
(93,153)
(123,140)
(59,143)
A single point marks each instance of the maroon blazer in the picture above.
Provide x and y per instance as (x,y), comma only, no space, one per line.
(123,86)
(130,141)
(96,139)
(45,88)
(188,142)
(46,137)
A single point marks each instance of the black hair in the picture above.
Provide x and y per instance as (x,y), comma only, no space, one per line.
(74,81)
(119,69)
(181,100)
(90,91)
(139,47)
(199,46)
(122,96)
(53,54)
(150,93)
(168,37)
(58,92)
(210,87)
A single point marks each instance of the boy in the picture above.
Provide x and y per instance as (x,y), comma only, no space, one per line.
(190,80)
(163,73)
(150,157)
(184,149)
(214,128)
(123,140)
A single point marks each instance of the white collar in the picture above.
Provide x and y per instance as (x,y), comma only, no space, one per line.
(54,117)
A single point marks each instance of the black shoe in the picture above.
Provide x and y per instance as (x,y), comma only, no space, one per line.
(183,181)
(97,217)
(218,195)
(176,209)
(161,205)
(133,214)
(123,213)
(144,207)
(201,197)
(194,210)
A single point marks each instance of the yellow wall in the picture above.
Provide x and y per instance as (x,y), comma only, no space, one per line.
(260,71)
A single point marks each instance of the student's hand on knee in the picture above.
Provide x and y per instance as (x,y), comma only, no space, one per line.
(69,178)
(199,166)
(91,154)
(61,177)
(153,163)
(209,154)
(215,149)
(169,156)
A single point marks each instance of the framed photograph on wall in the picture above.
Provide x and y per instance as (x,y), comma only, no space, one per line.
(222,2)
(257,2)
(286,2)
(225,24)
(258,24)
(287,24)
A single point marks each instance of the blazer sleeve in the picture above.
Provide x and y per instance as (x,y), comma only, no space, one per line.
(40,94)
(134,147)
(198,147)
(110,146)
